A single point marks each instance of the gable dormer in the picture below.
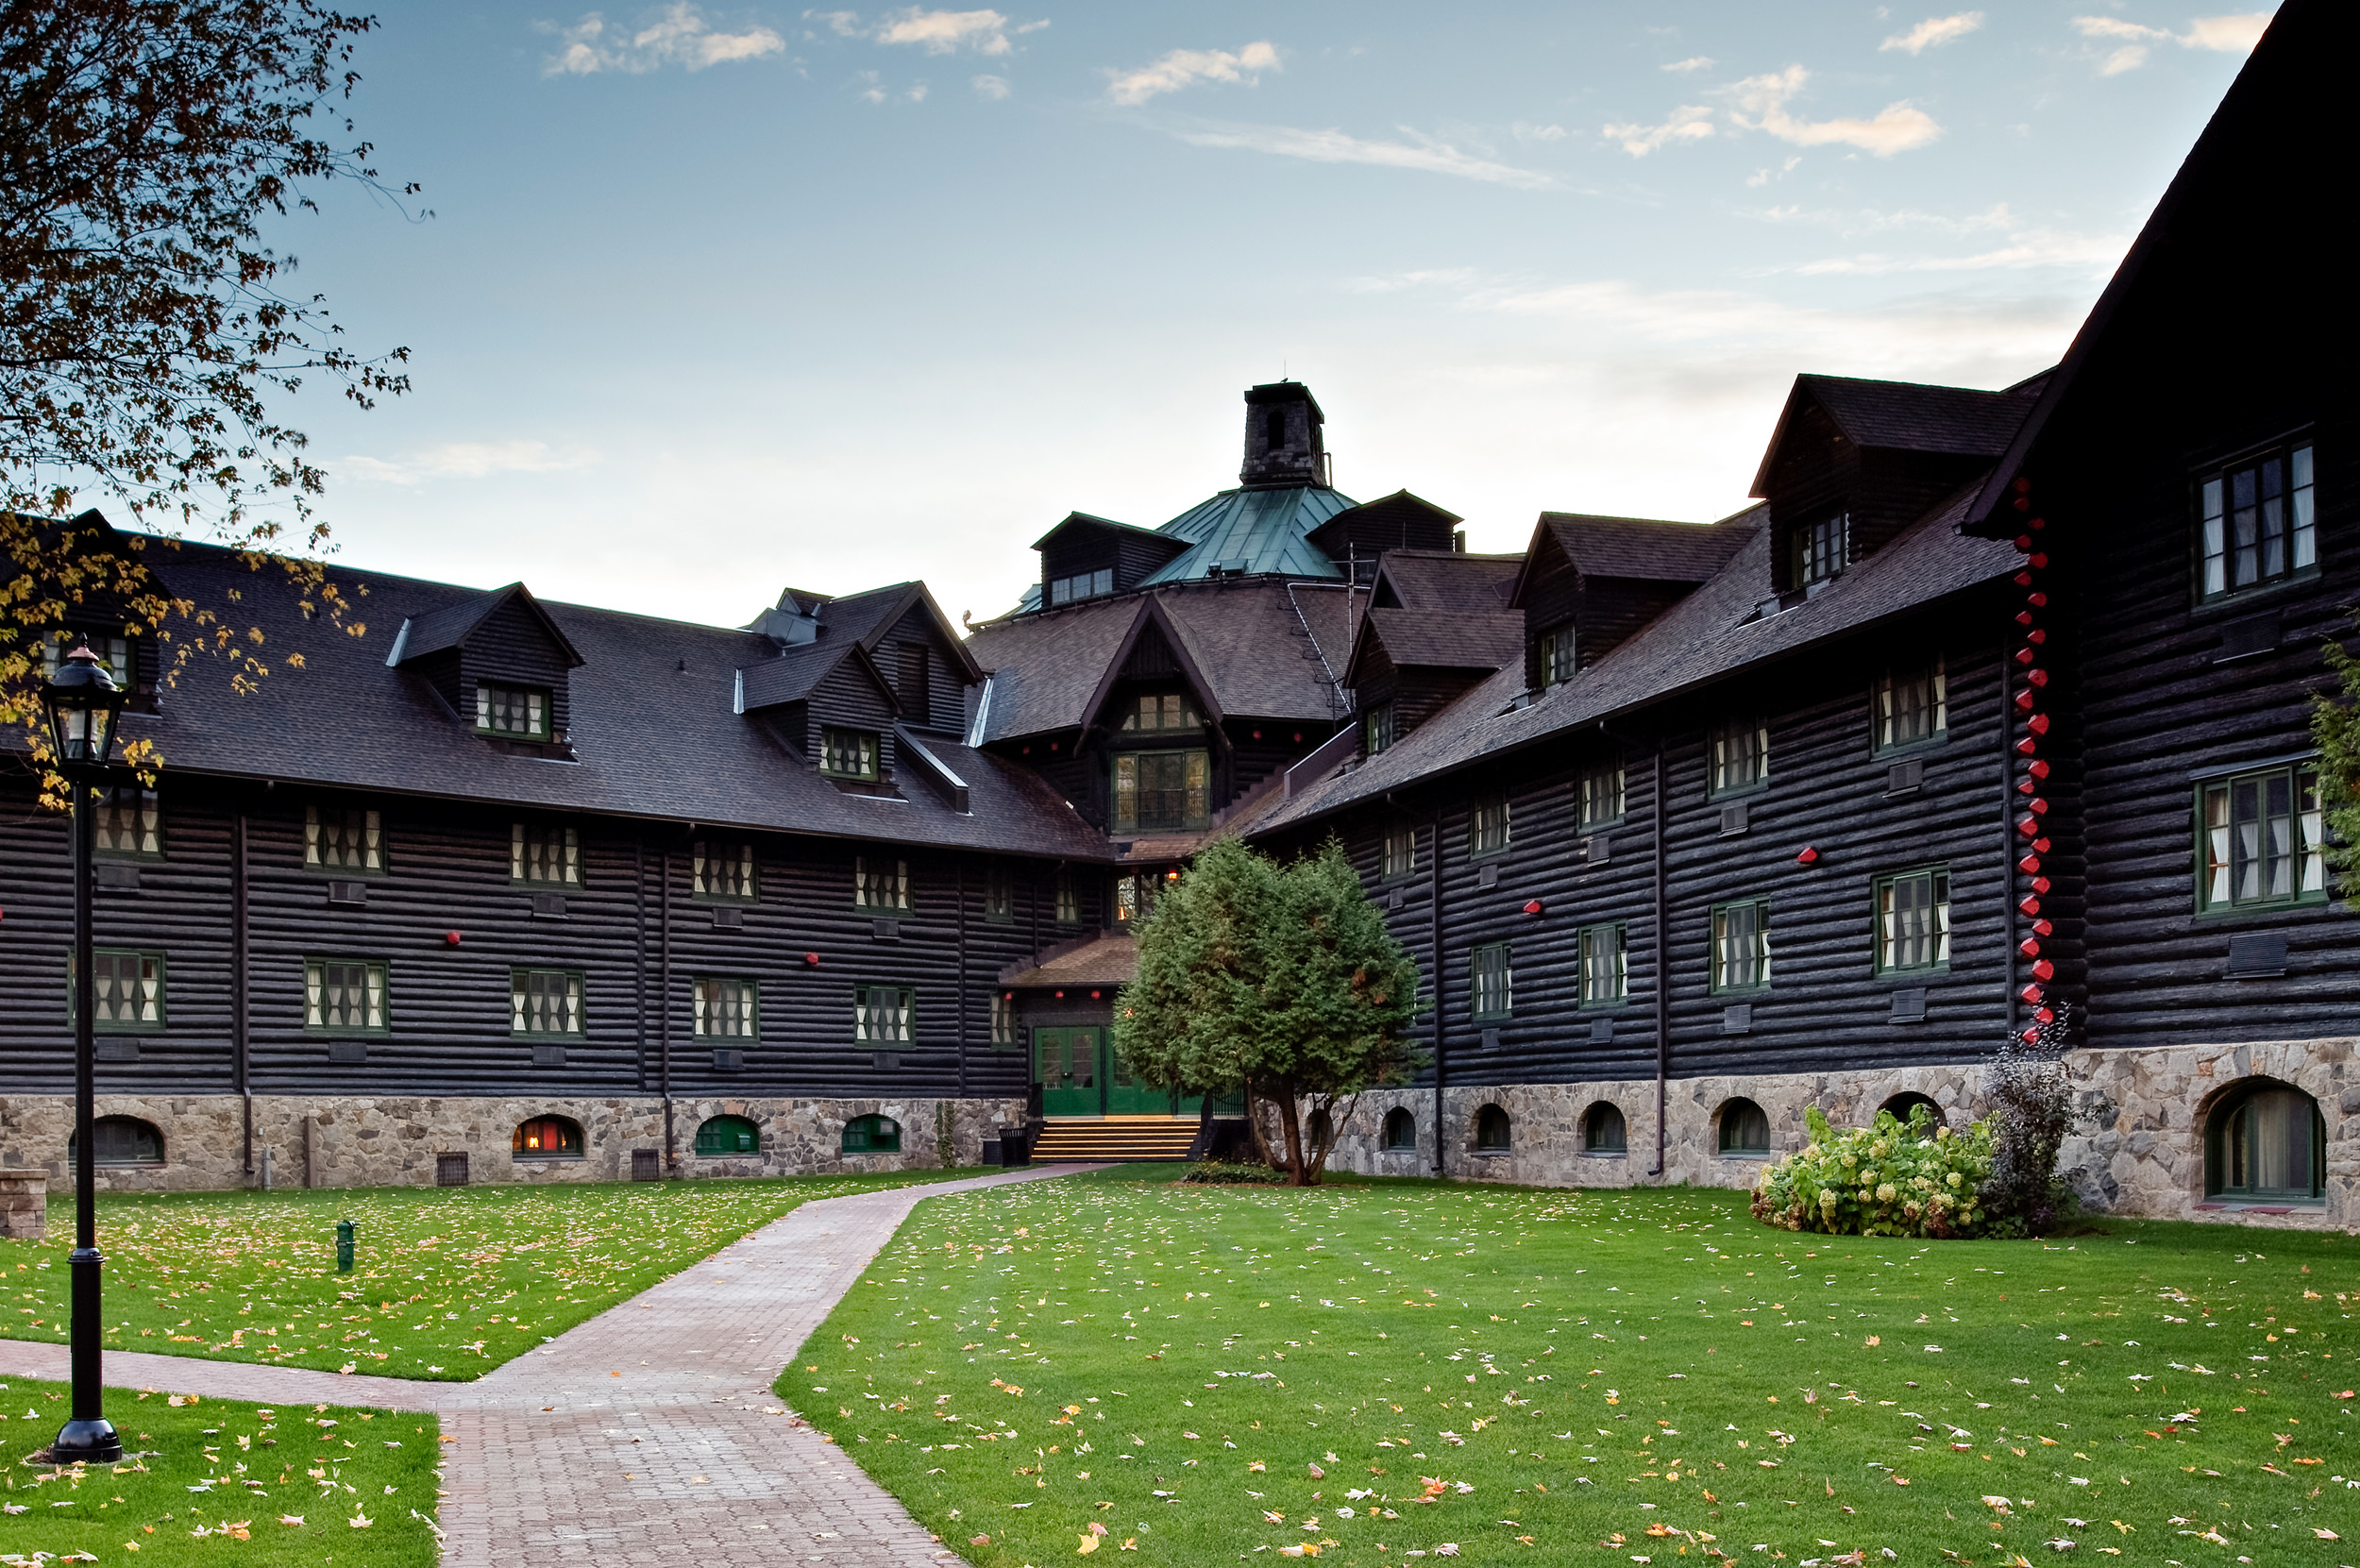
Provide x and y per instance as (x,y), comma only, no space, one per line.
(112,607)
(831,705)
(1587,582)
(1355,537)
(1853,462)
(501,663)
(1086,557)
(925,664)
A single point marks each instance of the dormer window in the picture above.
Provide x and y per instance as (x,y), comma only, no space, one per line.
(1557,654)
(114,651)
(1065,590)
(848,754)
(517,713)
(1377,728)
(1821,549)
(1170,711)
(2258,524)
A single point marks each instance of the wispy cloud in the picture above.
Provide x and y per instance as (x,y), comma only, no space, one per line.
(990,88)
(2094,254)
(1693,62)
(463,460)
(680,36)
(1935,30)
(1420,152)
(1897,127)
(1687,123)
(941,32)
(1186,67)
(2230,35)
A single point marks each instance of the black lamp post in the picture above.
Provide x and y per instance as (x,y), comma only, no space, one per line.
(83,703)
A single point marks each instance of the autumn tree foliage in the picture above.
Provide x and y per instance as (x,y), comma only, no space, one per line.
(1279,979)
(146,329)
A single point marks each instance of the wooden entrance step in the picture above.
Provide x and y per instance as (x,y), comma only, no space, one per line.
(1115,1140)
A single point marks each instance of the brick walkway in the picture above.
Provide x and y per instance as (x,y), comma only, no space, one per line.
(651,1427)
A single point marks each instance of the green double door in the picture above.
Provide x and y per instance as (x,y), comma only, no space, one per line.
(1079,1075)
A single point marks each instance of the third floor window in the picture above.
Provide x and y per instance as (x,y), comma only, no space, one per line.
(2257,522)
(543,851)
(1913,707)
(341,839)
(522,712)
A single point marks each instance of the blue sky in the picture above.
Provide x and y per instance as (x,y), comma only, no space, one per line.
(719,298)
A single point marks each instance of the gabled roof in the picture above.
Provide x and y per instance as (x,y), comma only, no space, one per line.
(450,627)
(869,614)
(796,673)
(1647,549)
(1400,515)
(1447,579)
(1152,613)
(1258,530)
(1904,416)
(1085,522)
(1440,639)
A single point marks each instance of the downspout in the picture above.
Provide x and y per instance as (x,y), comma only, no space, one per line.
(1662,955)
(2007,828)
(639,963)
(664,1008)
(960,885)
(1439,987)
(241,1059)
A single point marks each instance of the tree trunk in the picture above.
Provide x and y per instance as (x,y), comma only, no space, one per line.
(1334,1134)
(1296,1174)
(1254,1127)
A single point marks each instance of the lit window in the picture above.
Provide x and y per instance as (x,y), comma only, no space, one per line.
(1605,963)
(849,753)
(1488,981)
(338,840)
(1486,827)
(881,884)
(881,1014)
(1065,590)
(2262,839)
(128,992)
(726,1008)
(1912,708)
(538,851)
(1821,549)
(1557,654)
(544,1002)
(2269,1146)
(1741,757)
(1161,791)
(1741,946)
(1068,903)
(1913,920)
(1004,1018)
(722,870)
(519,710)
(2258,522)
(344,995)
(1164,711)
(129,826)
(546,1138)
(1377,728)
(1134,896)
(1401,851)
(1601,797)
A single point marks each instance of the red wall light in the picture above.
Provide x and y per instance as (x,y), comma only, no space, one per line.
(811,960)
(1809,857)
(1533,908)
(450,938)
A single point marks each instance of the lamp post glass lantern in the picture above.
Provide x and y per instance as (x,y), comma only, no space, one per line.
(83,703)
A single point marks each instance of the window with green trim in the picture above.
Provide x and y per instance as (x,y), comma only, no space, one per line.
(129,826)
(545,1003)
(881,884)
(1913,920)
(998,896)
(1601,797)
(848,754)
(114,650)
(1377,728)
(1745,1128)
(1400,850)
(1488,981)
(872,1134)
(1068,903)
(722,871)
(1555,649)
(344,995)
(1161,711)
(1162,791)
(726,1008)
(1604,960)
(1741,945)
(127,990)
(882,1014)
(1912,707)
(1486,827)
(544,852)
(342,839)
(2256,525)
(2269,1145)
(2260,839)
(728,1134)
(1739,756)
(521,713)
(1004,1031)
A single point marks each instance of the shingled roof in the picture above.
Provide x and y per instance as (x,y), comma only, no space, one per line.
(1447,580)
(1908,416)
(1646,549)
(653,726)
(1448,639)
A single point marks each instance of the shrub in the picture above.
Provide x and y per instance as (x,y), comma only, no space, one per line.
(1884,1179)
(1243,1172)
(2031,1112)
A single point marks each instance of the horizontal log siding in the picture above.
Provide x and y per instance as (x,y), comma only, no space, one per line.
(2157,708)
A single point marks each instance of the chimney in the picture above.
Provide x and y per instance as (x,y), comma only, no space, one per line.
(1285,445)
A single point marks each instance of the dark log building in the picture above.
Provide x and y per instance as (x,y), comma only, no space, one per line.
(1996,702)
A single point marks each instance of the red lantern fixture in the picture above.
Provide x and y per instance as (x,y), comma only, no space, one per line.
(2038,724)
(2029,904)
(1533,908)
(2039,769)
(2030,865)
(811,960)
(1809,857)
(2043,971)
(2042,928)
(2032,995)
(2040,884)
(1093,996)
(2030,946)
(450,938)
(2038,601)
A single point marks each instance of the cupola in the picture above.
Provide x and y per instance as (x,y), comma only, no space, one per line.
(1285,442)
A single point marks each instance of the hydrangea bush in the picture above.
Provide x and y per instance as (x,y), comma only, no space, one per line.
(1888,1178)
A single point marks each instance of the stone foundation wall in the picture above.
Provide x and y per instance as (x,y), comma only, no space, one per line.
(358,1140)
(2141,1153)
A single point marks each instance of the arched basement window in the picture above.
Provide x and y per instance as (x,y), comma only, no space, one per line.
(1909,1100)
(872,1134)
(2267,1144)
(1491,1130)
(546,1137)
(1744,1130)
(121,1141)
(1603,1131)
(1401,1129)
(728,1134)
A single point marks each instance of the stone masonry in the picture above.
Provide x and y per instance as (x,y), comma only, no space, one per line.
(388,1140)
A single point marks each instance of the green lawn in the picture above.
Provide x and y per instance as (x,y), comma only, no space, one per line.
(296,1485)
(448,1282)
(1382,1372)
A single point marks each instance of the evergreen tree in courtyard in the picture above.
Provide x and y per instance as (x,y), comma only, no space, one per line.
(1283,980)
